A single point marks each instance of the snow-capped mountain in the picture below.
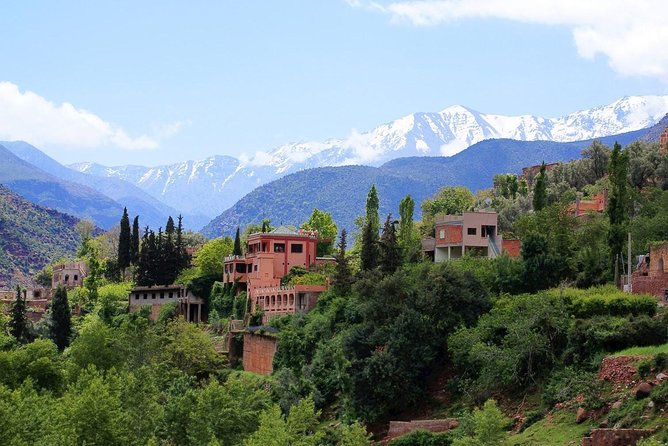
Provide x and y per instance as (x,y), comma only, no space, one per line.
(212,185)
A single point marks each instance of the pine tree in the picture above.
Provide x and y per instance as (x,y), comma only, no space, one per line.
(124,241)
(60,329)
(618,201)
(134,242)
(237,244)
(343,277)
(372,210)
(540,190)
(390,252)
(18,323)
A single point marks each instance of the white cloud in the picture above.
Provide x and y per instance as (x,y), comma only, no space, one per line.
(162,131)
(631,34)
(30,117)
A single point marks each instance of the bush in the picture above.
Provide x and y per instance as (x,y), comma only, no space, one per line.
(644,368)
(660,393)
(628,415)
(567,383)
(661,361)
(423,438)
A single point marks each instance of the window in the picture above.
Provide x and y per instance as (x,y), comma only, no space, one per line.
(67,278)
(162,294)
(441,233)
(152,295)
(171,294)
(471,231)
(255,268)
(225,268)
(145,296)
(241,268)
(76,277)
(279,247)
(297,247)
(136,296)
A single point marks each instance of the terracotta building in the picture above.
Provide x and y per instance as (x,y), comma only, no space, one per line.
(472,232)
(529,173)
(70,275)
(663,142)
(269,257)
(651,274)
(190,306)
(597,204)
(37,301)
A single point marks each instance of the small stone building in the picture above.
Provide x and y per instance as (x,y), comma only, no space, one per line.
(190,306)
(70,275)
(651,275)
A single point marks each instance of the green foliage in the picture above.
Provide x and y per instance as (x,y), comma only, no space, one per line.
(488,425)
(629,414)
(448,200)
(540,190)
(570,382)
(60,329)
(424,438)
(369,253)
(343,277)
(18,323)
(210,257)
(618,200)
(236,250)
(124,241)
(190,350)
(322,222)
(300,428)
(408,236)
(372,217)
(168,312)
(390,251)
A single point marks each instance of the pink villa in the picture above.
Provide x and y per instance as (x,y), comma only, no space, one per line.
(473,232)
(269,257)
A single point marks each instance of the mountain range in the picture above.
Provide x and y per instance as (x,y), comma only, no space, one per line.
(342,190)
(210,186)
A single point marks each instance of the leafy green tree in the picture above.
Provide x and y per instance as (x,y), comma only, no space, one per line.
(409,239)
(236,250)
(189,349)
(618,201)
(372,216)
(299,429)
(354,435)
(488,426)
(18,322)
(390,251)
(448,200)
(124,241)
(369,252)
(323,223)
(540,190)
(539,265)
(343,277)
(95,273)
(210,258)
(60,329)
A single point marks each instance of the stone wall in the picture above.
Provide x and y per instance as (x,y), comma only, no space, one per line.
(259,353)
(615,437)
(399,428)
(655,286)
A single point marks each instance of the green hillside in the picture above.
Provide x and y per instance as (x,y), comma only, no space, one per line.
(31,236)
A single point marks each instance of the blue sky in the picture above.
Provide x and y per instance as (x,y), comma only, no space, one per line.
(155,82)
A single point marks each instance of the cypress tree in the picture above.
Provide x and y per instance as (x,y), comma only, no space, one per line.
(144,264)
(372,209)
(618,201)
(60,329)
(181,253)
(237,244)
(407,237)
(265,226)
(171,255)
(540,190)
(390,252)
(18,323)
(369,251)
(134,242)
(124,241)
(343,278)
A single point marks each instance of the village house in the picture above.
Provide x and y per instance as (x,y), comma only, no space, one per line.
(37,300)
(269,257)
(651,274)
(472,232)
(70,274)
(189,305)
(663,142)
(597,204)
(529,173)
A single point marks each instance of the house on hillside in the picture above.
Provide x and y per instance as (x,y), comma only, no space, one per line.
(190,306)
(70,274)
(471,232)
(663,142)
(651,274)
(37,301)
(270,256)
(530,172)
(596,204)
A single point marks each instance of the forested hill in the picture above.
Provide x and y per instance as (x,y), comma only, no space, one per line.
(44,189)
(31,237)
(342,190)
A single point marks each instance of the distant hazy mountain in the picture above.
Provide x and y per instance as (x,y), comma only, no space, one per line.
(31,236)
(46,190)
(212,185)
(138,202)
(342,190)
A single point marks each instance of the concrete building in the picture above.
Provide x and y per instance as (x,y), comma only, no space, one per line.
(651,274)
(190,306)
(455,235)
(70,275)
(269,257)
(597,204)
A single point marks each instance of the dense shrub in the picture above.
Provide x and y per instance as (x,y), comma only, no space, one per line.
(424,438)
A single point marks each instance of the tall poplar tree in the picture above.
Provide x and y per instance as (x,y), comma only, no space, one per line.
(369,251)
(237,244)
(18,323)
(124,241)
(540,190)
(60,329)
(408,238)
(372,204)
(134,242)
(618,201)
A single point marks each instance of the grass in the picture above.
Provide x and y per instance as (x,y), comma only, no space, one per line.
(638,351)
(560,429)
